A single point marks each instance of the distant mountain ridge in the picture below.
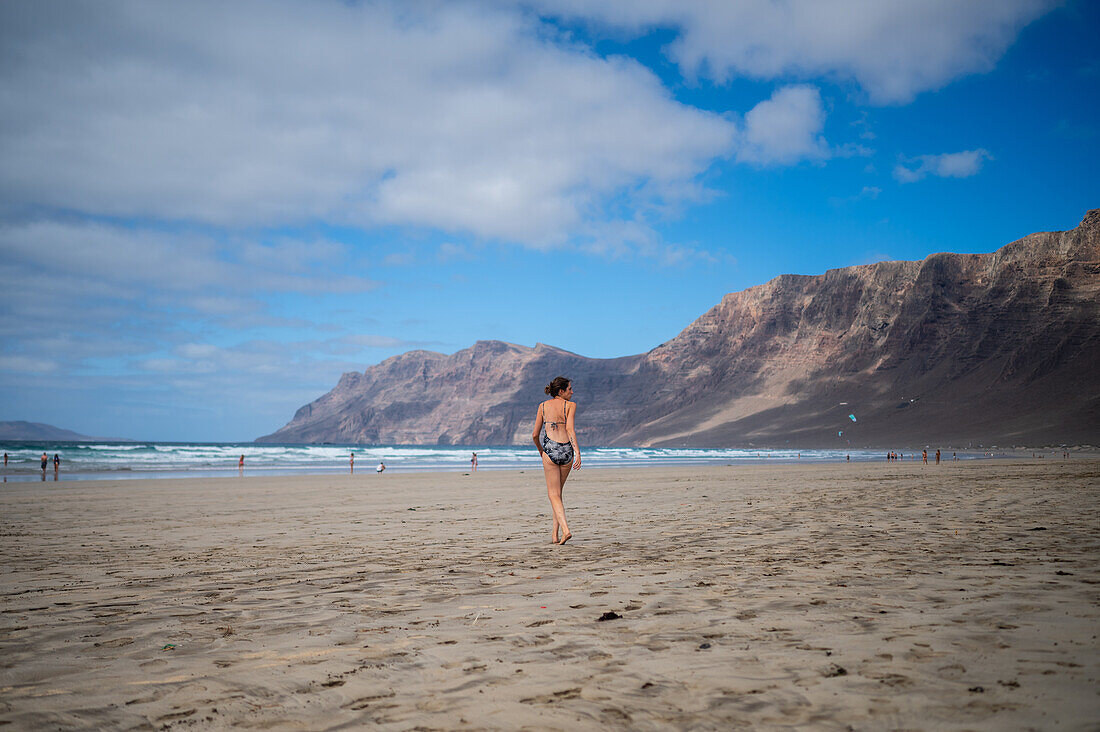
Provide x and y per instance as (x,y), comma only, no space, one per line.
(996,348)
(27,431)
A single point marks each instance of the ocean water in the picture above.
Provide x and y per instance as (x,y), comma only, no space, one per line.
(114,460)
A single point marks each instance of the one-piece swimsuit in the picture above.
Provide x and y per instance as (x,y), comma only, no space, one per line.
(560,453)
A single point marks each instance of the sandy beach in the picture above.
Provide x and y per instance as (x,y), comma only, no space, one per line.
(839,596)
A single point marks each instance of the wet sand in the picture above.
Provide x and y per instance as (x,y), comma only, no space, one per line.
(869,596)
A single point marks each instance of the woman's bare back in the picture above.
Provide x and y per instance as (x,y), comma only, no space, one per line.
(555,413)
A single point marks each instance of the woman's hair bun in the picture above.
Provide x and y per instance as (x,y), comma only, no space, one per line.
(557,386)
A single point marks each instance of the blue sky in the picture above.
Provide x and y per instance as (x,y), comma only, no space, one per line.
(209,211)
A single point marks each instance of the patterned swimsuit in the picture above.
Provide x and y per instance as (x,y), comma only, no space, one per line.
(560,453)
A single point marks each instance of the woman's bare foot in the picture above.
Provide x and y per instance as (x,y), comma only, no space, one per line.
(564,539)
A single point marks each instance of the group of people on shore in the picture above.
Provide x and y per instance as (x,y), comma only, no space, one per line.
(351,465)
(351,462)
(45,464)
(924,456)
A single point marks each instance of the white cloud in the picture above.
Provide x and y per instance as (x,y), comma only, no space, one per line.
(865,193)
(398,259)
(894,49)
(356,343)
(267,358)
(784,129)
(122,261)
(626,239)
(461,116)
(79,295)
(450,252)
(948,165)
(27,364)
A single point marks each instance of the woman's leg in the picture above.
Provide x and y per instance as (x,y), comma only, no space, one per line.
(563,471)
(553,491)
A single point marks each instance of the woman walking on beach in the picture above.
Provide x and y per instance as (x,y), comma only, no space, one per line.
(558,448)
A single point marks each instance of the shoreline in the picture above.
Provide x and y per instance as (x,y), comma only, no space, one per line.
(957,596)
(30,474)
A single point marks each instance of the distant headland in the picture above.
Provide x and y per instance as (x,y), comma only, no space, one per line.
(19,431)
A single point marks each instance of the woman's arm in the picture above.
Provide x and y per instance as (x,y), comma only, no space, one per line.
(570,415)
(538,429)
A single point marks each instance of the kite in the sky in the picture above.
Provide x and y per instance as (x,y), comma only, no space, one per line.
(852,417)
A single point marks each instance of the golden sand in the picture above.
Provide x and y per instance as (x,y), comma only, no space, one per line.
(876,596)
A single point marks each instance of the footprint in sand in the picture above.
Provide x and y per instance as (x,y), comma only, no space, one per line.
(557,696)
(146,699)
(176,715)
(894,680)
(538,640)
(613,715)
(365,701)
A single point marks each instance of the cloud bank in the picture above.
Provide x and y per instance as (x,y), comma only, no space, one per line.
(893,49)
(455,116)
(468,117)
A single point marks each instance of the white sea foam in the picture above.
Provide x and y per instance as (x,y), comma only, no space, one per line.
(136,459)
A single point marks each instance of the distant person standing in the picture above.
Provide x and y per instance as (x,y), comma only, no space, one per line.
(381,467)
(240,465)
(954,457)
(924,455)
(473,463)
(937,456)
(56,465)
(45,462)
(5,460)
(351,463)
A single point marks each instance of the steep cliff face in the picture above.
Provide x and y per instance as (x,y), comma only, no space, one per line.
(1001,347)
(485,394)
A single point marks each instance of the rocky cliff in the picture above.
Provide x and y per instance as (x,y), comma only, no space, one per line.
(996,348)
